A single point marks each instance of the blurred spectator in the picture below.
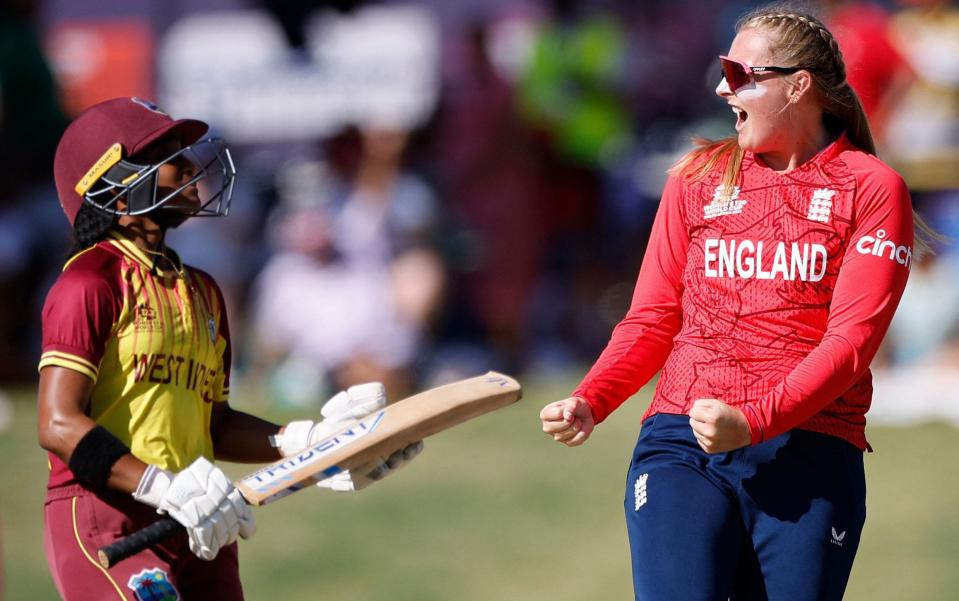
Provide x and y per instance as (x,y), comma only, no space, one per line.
(273,82)
(31,235)
(573,93)
(917,375)
(351,292)
(928,313)
(874,66)
(383,210)
(923,133)
(31,120)
(487,167)
(925,390)
(917,372)
(556,122)
(388,222)
(572,86)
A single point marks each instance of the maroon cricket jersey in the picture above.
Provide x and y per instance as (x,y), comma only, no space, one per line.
(772,296)
(155,343)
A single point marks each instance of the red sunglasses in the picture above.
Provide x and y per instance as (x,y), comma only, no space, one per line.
(739,74)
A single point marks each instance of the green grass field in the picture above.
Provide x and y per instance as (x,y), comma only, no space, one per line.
(495,510)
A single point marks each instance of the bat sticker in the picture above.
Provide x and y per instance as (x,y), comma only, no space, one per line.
(270,476)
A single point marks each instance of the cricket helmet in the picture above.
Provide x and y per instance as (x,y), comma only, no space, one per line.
(96,162)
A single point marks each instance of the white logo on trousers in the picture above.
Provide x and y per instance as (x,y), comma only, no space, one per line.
(837,537)
(639,490)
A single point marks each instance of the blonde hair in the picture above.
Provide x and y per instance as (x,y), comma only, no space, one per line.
(801,40)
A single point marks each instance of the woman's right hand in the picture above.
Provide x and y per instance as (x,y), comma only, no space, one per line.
(203,500)
(569,421)
(344,408)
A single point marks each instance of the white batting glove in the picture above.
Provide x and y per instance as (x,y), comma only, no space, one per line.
(366,474)
(203,499)
(342,409)
(345,407)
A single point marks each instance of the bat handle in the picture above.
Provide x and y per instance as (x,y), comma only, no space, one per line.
(148,536)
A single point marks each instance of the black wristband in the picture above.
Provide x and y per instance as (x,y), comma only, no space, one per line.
(94,456)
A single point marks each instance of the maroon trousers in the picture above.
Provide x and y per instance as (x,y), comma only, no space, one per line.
(77,522)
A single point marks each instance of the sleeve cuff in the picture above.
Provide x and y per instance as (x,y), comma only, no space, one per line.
(757,431)
(597,411)
(69,361)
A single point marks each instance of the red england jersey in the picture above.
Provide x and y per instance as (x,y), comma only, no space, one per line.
(772,296)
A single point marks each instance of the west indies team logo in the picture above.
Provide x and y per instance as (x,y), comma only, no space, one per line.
(152,585)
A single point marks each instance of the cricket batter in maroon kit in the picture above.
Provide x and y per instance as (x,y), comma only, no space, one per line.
(775,263)
(135,370)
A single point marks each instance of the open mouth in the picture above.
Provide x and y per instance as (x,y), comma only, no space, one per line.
(741,117)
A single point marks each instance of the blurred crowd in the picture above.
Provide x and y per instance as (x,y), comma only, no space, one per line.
(428,189)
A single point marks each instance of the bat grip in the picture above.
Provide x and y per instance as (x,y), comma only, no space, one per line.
(148,536)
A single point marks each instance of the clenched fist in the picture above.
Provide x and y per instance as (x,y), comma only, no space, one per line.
(569,421)
(718,427)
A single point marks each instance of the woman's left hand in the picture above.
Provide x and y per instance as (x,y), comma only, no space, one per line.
(718,427)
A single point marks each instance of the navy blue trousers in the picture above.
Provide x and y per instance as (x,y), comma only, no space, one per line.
(778,521)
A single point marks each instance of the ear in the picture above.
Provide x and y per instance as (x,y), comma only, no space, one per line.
(801,85)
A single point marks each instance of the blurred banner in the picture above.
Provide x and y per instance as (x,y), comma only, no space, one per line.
(377,67)
(98,60)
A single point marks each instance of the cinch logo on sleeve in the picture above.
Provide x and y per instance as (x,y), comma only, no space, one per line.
(744,259)
(878,246)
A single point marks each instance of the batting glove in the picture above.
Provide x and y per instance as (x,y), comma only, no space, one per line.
(342,409)
(368,473)
(203,499)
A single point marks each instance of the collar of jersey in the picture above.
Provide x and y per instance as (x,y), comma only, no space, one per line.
(825,155)
(130,250)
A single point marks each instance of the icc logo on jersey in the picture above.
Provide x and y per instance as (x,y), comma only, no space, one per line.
(145,318)
(725,201)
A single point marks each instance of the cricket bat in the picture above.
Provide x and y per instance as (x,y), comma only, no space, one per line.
(376,435)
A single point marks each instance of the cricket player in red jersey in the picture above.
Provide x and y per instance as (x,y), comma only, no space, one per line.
(774,266)
(135,371)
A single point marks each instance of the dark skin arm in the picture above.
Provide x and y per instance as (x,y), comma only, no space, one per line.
(241,437)
(62,421)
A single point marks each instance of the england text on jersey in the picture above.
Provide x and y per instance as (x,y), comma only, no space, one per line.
(751,259)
